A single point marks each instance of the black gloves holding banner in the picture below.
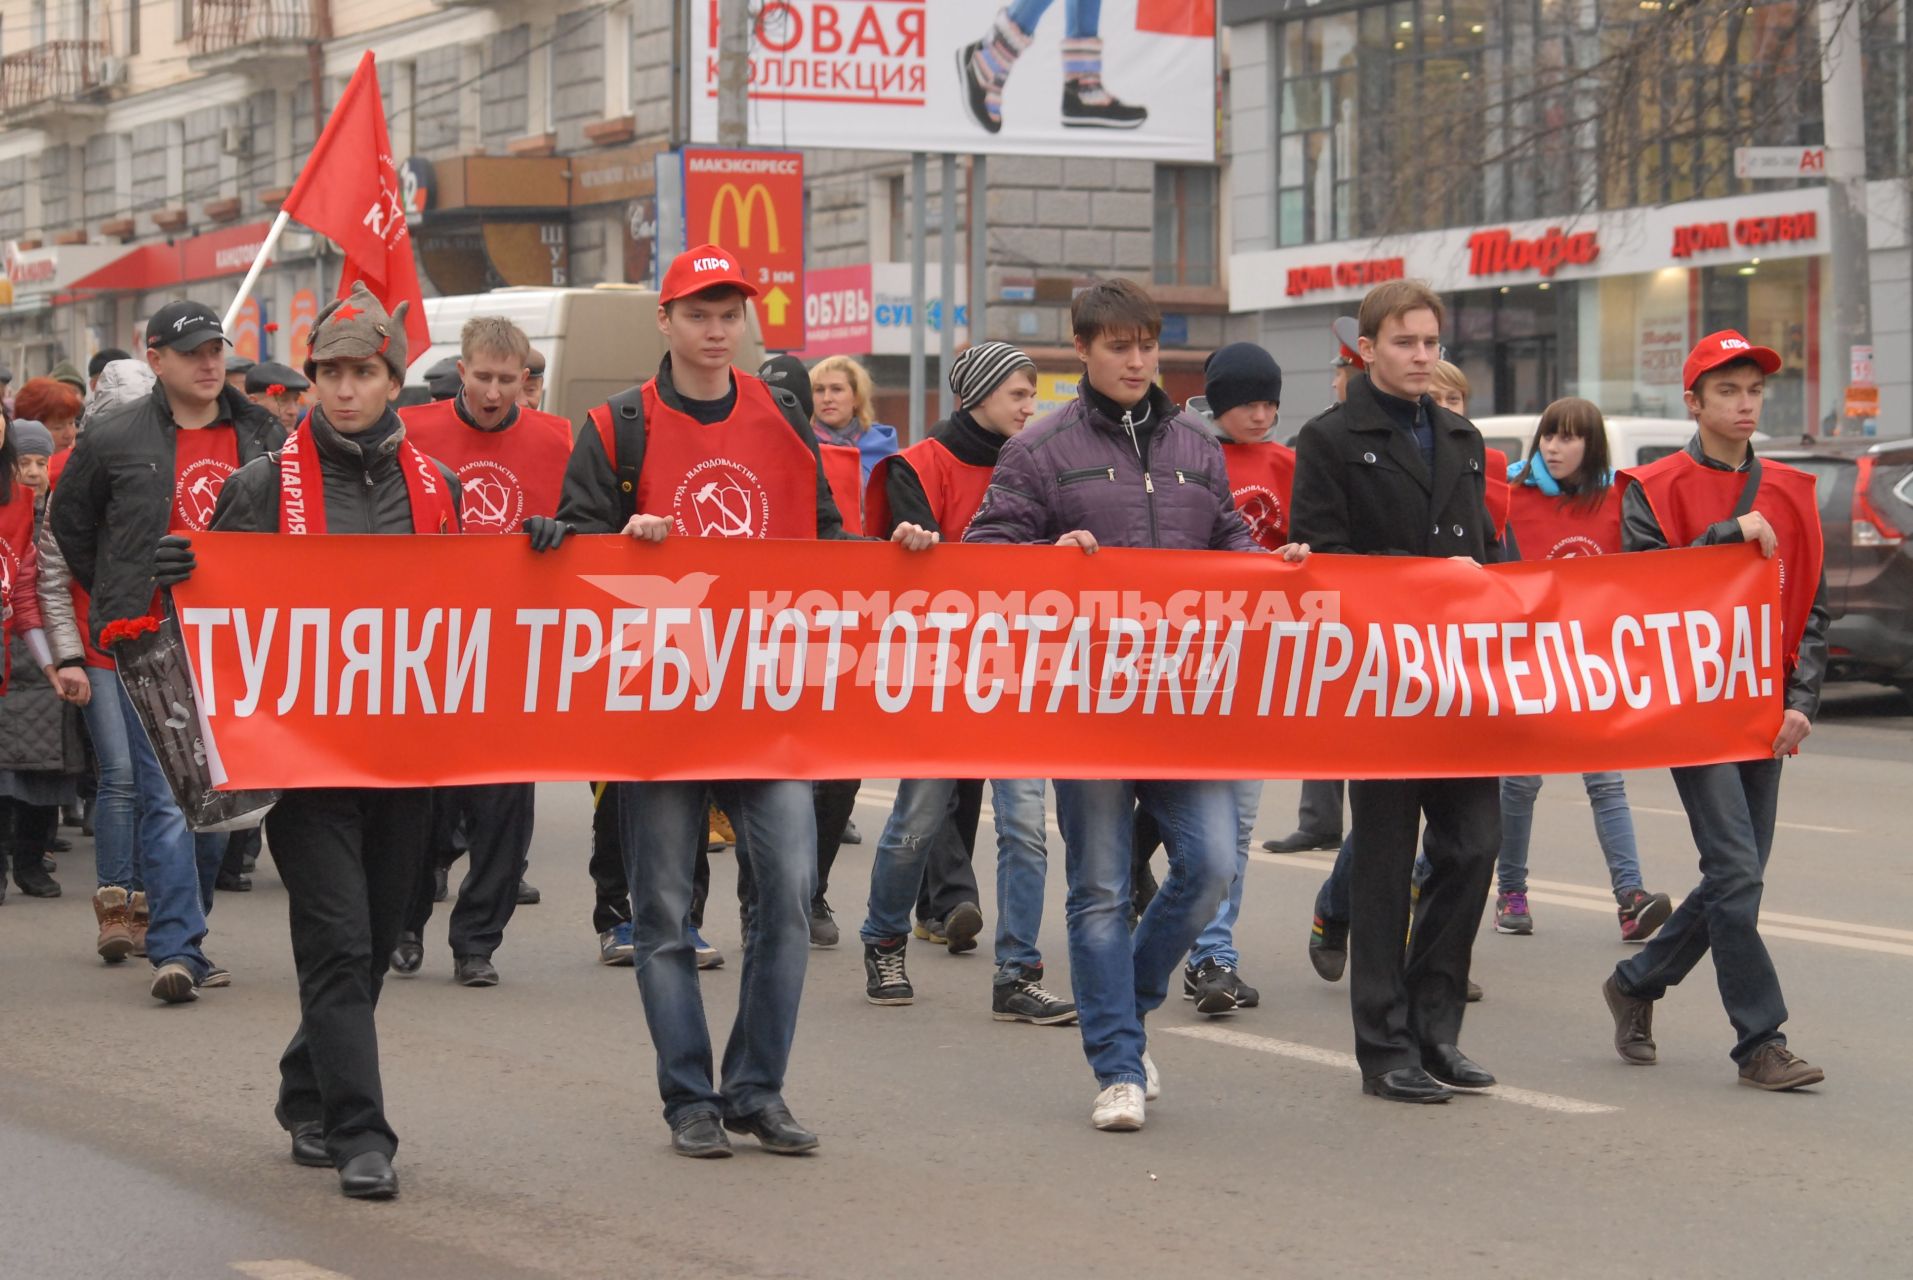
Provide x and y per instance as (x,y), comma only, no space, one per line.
(546,533)
(173,561)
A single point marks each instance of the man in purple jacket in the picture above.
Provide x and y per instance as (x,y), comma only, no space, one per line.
(1120,466)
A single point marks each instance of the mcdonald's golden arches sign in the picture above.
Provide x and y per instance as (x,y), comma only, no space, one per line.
(752,203)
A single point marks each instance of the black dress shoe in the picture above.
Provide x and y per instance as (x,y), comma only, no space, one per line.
(1405,1084)
(1454,1068)
(474,971)
(233,882)
(700,1137)
(528,895)
(369,1176)
(1301,841)
(308,1145)
(774,1128)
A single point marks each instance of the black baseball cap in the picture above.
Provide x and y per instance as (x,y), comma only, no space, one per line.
(184,326)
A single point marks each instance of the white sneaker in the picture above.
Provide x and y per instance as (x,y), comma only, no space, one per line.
(1152,1079)
(1118,1109)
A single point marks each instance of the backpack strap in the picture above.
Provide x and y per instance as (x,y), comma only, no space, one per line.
(620,425)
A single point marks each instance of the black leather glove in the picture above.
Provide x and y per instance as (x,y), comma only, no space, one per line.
(173,561)
(546,533)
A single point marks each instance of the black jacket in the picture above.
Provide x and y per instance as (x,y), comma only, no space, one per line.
(593,503)
(1362,488)
(363,493)
(1640,531)
(116,497)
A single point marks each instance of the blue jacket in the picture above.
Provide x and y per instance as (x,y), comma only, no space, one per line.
(877,442)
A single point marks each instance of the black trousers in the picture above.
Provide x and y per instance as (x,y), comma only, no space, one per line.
(494,821)
(1320,813)
(1402,1006)
(349,859)
(949,872)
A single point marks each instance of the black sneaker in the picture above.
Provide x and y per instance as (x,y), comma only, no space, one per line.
(1643,913)
(1328,948)
(823,926)
(1087,105)
(1212,985)
(1024,999)
(885,981)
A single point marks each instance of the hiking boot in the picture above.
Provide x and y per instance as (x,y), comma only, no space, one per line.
(1213,986)
(708,956)
(721,833)
(1775,1067)
(1118,1109)
(138,918)
(823,925)
(961,926)
(1024,999)
(1511,914)
(885,981)
(408,955)
(116,924)
(1328,948)
(173,982)
(614,945)
(1634,1025)
(1642,913)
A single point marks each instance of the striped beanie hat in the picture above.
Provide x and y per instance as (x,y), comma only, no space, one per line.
(981,369)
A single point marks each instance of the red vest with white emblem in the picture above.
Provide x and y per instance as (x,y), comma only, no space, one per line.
(1261,477)
(1556,528)
(748,476)
(504,477)
(953,487)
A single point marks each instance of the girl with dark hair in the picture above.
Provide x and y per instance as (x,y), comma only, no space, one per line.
(1564,502)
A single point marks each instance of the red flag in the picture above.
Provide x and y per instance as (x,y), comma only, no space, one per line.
(349,191)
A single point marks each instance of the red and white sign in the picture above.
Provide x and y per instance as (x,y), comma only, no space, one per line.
(1748,233)
(1780,162)
(752,203)
(837,306)
(1344,275)
(1501,252)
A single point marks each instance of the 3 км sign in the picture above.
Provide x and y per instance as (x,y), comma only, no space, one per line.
(752,203)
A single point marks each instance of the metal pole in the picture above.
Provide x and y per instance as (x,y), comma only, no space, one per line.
(258,265)
(946,327)
(979,245)
(919,172)
(733,72)
(1850,322)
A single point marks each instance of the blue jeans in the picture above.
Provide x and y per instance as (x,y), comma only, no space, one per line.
(1022,868)
(662,826)
(179,867)
(1081,18)
(116,859)
(1119,978)
(1730,810)
(921,816)
(1613,827)
(1217,940)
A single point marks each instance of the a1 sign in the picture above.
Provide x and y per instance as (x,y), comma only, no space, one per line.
(752,203)
(1780,162)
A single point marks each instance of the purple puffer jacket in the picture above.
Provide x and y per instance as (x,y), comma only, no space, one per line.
(1076,469)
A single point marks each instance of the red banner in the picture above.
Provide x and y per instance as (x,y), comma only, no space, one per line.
(354,661)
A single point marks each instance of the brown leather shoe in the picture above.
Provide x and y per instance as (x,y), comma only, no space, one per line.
(138,918)
(115,918)
(1775,1067)
(1633,1024)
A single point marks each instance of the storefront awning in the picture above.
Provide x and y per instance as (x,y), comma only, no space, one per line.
(226,252)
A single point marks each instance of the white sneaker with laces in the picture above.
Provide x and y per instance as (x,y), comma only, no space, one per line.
(1118,1109)
(1152,1079)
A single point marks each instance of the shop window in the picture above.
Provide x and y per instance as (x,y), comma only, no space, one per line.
(1186,225)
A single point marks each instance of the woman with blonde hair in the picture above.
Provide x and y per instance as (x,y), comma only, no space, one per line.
(845,411)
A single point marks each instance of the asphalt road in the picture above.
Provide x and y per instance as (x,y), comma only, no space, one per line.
(138,1139)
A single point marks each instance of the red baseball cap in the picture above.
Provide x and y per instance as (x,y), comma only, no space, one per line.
(1717,349)
(705,267)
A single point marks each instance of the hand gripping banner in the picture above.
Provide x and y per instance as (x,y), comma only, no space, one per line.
(384,662)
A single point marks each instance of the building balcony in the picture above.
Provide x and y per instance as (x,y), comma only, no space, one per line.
(62,78)
(248,35)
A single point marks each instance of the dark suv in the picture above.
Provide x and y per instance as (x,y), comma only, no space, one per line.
(1865,492)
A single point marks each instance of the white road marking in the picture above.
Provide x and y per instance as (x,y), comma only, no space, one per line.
(285,1269)
(1346,1062)
(1584,803)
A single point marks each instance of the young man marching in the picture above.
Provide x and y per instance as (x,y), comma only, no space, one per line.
(938,484)
(1120,466)
(1718,491)
(348,855)
(1390,472)
(510,463)
(628,474)
(155,467)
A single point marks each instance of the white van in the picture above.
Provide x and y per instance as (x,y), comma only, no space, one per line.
(596,342)
(1631,442)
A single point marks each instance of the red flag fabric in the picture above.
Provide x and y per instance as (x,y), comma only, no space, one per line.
(349,191)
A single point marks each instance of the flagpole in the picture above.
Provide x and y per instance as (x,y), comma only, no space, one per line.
(258,265)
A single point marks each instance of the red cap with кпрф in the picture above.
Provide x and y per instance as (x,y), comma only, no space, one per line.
(1717,349)
(708,266)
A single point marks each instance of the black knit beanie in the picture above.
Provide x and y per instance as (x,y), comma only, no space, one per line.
(1238,374)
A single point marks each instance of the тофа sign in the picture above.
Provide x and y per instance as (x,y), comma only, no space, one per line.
(973,76)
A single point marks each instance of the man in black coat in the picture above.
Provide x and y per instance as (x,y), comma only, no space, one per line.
(1389,472)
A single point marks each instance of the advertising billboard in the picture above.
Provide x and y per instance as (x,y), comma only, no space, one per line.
(752,203)
(1124,78)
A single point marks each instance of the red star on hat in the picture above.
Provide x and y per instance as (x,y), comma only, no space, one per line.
(347,312)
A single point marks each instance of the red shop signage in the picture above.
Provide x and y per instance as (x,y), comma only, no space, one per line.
(1501,252)
(1751,233)
(1345,275)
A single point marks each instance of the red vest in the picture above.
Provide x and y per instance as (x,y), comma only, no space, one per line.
(843,467)
(302,488)
(16,579)
(1261,477)
(1499,493)
(953,487)
(748,476)
(504,477)
(1686,497)
(1555,528)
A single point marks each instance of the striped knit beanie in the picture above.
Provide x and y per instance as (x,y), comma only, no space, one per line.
(981,369)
